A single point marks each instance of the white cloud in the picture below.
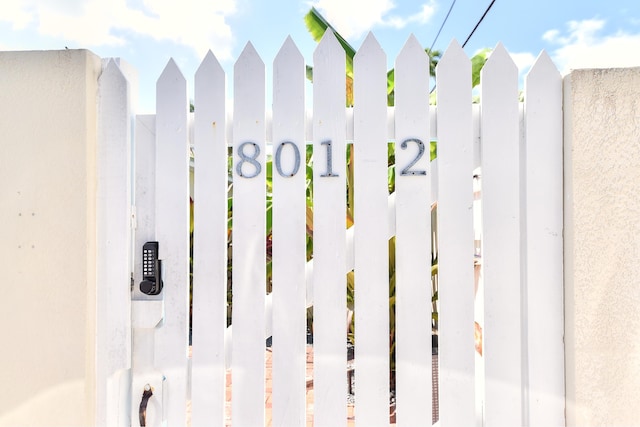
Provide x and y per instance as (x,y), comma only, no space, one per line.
(17,12)
(551,35)
(583,46)
(353,18)
(199,24)
(421,17)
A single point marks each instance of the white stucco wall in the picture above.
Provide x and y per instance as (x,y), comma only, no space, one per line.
(47,237)
(602,247)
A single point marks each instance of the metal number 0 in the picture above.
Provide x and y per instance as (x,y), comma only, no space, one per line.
(244,158)
(296,165)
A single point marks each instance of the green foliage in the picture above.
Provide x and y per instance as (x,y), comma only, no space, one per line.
(477,62)
(317,25)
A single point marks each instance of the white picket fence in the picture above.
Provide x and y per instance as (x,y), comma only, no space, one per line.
(517,147)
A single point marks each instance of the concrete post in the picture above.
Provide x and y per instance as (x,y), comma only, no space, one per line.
(48,237)
(602,246)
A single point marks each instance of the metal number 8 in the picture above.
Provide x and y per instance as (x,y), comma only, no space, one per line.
(249,159)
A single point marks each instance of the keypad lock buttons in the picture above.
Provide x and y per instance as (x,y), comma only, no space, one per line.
(151,269)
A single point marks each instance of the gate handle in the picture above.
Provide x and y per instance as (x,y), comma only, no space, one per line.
(142,412)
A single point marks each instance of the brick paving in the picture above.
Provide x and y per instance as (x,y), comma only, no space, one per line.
(268,390)
(309,375)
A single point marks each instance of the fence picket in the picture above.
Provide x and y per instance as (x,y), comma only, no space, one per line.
(289,238)
(172,233)
(209,245)
(329,234)
(413,238)
(113,352)
(249,237)
(144,188)
(371,236)
(143,333)
(501,250)
(543,127)
(455,239)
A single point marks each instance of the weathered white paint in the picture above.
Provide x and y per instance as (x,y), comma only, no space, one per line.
(329,198)
(172,233)
(210,245)
(543,220)
(501,247)
(289,240)
(147,312)
(413,239)
(249,239)
(113,346)
(371,195)
(455,239)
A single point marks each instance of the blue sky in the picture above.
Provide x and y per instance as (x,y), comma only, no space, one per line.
(146,33)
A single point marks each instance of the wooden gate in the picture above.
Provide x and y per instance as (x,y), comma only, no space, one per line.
(342,210)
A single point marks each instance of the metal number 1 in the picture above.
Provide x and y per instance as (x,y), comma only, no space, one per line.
(329,172)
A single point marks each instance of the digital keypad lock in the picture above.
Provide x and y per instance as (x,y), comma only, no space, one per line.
(151,269)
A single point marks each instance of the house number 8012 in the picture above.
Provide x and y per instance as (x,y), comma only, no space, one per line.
(257,167)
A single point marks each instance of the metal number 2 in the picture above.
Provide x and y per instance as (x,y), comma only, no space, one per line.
(249,159)
(407,170)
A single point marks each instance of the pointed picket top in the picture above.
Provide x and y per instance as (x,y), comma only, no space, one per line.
(249,58)
(413,52)
(454,56)
(411,77)
(209,65)
(499,58)
(543,68)
(328,46)
(209,87)
(288,82)
(411,86)
(412,64)
(289,52)
(370,46)
(329,64)
(288,71)
(370,67)
(171,73)
(453,75)
(112,71)
(249,89)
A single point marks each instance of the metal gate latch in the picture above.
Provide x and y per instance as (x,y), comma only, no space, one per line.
(148,392)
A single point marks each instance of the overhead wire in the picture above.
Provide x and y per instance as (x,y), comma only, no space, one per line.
(442,25)
(472,31)
(479,21)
